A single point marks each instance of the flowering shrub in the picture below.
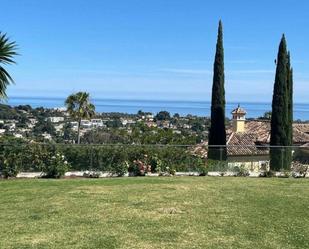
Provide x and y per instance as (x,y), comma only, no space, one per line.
(140,167)
(55,166)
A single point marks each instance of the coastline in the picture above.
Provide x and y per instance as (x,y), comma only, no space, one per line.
(131,106)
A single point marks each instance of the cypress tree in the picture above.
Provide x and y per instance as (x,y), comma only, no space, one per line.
(217,133)
(282,117)
(290,100)
(289,127)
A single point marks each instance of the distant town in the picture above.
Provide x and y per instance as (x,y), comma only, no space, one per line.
(56,125)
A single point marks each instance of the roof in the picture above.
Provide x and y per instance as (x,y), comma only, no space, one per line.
(262,130)
(240,144)
(255,139)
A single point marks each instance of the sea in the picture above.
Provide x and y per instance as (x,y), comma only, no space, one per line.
(132,106)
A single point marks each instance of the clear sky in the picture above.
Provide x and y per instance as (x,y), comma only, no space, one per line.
(154,49)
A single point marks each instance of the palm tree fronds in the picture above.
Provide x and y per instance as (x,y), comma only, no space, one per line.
(7,54)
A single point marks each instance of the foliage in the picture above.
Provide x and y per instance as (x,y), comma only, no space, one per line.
(79,107)
(201,167)
(163,115)
(56,166)
(7,53)
(217,132)
(140,167)
(282,117)
(44,126)
(104,136)
(241,171)
(300,170)
(107,158)
(266,115)
(118,164)
(155,162)
(10,165)
(218,166)
(68,133)
(115,123)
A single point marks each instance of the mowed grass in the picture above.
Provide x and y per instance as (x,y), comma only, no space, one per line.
(177,212)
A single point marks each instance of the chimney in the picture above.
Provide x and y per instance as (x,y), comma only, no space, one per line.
(239,119)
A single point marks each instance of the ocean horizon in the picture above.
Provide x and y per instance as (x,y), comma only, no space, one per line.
(183,107)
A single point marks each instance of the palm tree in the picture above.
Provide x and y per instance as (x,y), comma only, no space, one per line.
(79,107)
(7,52)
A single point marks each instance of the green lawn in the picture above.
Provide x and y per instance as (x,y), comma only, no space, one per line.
(176,212)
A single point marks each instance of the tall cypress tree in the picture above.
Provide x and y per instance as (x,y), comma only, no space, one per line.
(282,117)
(290,100)
(288,151)
(217,133)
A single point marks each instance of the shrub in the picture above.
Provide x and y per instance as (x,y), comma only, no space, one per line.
(201,167)
(300,170)
(120,169)
(108,158)
(35,156)
(156,163)
(10,165)
(241,171)
(171,171)
(140,167)
(56,166)
(217,165)
(118,164)
(167,171)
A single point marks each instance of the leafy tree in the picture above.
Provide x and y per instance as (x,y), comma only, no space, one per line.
(115,123)
(68,133)
(281,120)
(267,115)
(217,132)
(79,107)
(43,126)
(163,115)
(7,53)
(26,108)
(197,126)
(176,115)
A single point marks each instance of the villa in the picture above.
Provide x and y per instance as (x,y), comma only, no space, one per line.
(55,119)
(97,122)
(248,141)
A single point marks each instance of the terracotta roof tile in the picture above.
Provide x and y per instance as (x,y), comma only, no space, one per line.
(257,134)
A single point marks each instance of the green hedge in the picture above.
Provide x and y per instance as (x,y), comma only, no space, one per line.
(33,157)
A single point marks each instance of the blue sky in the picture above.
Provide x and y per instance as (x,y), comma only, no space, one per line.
(153,49)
